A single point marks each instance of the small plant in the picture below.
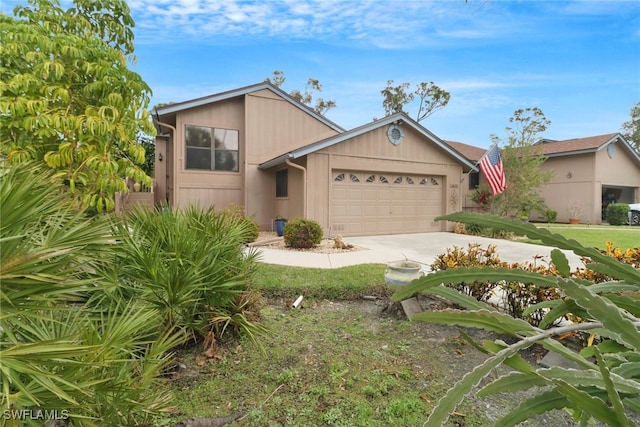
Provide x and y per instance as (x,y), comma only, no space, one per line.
(575,209)
(302,233)
(482,197)
(617,213)
(550,216)
(475,256)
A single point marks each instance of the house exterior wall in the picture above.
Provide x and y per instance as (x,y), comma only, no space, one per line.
(581,177)
(268,126)
(573,182)
(275,126)
(619,171)
(209,188)
(372,152)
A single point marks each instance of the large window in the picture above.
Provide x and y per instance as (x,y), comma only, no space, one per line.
(211,149)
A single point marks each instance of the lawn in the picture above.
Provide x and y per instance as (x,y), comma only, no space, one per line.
(597,236)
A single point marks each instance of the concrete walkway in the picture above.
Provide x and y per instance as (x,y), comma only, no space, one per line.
(422,248)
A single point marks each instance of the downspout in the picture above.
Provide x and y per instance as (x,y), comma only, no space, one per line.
(304,188)
(166,125)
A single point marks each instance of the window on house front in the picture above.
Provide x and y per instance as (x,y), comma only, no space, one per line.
(282,183)
(211,149)
(474,180)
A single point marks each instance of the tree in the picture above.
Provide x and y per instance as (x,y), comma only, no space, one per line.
(68,98)
(321,105)
(522,159)
(431,98)
(631,129)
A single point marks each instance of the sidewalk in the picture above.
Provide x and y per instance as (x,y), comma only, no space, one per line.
(422,248)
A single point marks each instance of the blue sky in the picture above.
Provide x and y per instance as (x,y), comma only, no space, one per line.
(579,61)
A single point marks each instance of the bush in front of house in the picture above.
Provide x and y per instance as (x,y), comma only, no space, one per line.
(247,223)
(550,216)
(302,233)
(617,213)
(190,266)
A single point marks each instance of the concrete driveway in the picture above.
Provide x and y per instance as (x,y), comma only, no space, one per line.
(422,248)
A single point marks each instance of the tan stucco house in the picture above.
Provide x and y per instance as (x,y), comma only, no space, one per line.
(259,148)
(589,171)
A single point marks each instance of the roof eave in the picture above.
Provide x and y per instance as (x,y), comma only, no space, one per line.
(199,102)
(276,161)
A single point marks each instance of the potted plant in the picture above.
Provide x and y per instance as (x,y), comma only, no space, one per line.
(280,222)
(575,210)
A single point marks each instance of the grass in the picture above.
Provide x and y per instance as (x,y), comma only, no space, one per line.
(276,281)
(623,237)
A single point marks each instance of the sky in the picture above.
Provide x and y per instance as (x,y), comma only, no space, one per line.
(578,61)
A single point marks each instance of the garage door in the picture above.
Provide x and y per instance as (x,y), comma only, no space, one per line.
(379,203)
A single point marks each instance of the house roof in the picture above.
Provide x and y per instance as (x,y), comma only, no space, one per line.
(471,152)
(400,118)
(210,99)
(591,144)
(557,148)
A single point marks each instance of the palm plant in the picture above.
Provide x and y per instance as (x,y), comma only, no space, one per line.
(189,265)
(56,352)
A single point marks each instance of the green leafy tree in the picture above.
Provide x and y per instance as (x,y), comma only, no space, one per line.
(69,99)
(321,106)
(606,388)
(522,160)
(396,98)
(631,129)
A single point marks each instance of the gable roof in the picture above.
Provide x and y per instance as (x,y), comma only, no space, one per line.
(222,96)
(591,144)
(395,118)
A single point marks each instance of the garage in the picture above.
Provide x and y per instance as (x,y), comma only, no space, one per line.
(367,203)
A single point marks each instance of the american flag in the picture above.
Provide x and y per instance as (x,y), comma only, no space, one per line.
(493,170)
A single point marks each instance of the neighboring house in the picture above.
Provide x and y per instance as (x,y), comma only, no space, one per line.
(591,172)
(259,148)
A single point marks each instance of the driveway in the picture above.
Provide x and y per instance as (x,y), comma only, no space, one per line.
(422,248)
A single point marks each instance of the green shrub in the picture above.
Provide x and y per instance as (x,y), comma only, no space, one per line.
(618,213)
(481,196)
(516,296)
(605,388)
(236,213)
(550,216)
(188,264)
(475,256)
(302,233)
